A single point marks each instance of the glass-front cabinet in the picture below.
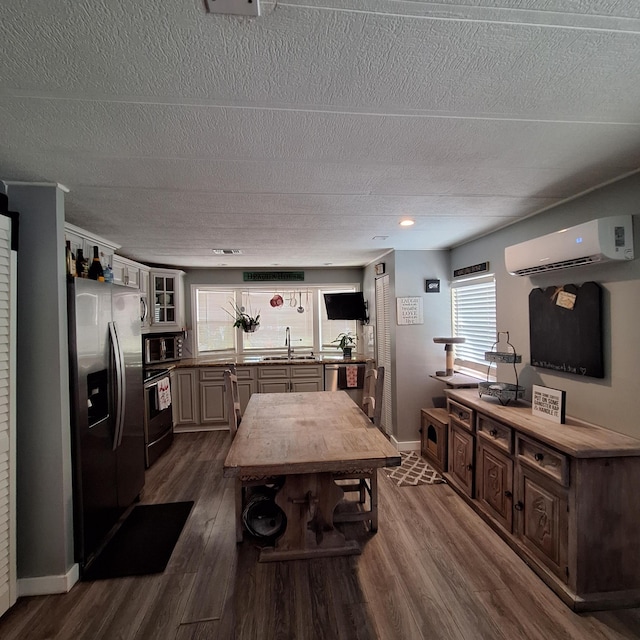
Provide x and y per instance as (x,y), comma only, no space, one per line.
(165,296)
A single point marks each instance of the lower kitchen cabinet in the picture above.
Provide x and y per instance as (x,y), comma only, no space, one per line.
(290,378)
(213,409)
(185,397)
(560,495)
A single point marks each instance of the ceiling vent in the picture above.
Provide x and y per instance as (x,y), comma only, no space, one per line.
(233,7)
(591,242)
(227,252)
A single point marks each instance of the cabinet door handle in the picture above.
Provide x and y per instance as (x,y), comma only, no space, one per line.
(493,433)
(508,494)
(538,457)
(519,506)
(469,467)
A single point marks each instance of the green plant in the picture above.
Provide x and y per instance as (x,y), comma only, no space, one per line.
(345,341)
(242,319)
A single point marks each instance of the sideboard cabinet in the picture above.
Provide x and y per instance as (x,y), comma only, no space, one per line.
(563,496)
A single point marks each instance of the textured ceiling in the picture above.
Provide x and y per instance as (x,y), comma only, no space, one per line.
(299,136)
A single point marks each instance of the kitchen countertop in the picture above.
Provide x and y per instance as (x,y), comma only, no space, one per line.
(245,361)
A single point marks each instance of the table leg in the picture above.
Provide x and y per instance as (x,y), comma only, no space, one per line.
(308,501)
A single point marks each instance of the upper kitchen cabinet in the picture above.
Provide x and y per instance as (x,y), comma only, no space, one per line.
(167,299)
(126,272)
(85,240)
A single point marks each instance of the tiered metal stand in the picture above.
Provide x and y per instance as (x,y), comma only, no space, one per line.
(504,391)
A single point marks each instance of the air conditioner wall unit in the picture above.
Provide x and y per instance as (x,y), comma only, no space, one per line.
(591,242)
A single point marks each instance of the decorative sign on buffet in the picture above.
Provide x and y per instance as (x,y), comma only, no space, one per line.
(548,403)
(409,310)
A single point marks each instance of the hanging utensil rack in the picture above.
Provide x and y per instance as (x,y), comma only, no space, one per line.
(504,391)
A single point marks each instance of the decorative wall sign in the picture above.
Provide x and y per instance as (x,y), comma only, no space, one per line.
(548,403)
(265,276)
(467,271)
(565,329)
(379,268)
(432,286)
(409,310)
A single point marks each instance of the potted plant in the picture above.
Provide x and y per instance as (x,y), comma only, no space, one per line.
(346,342)
(244,320)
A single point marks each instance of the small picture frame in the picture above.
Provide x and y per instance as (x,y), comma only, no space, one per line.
(432,286)
(379,268)
(548,403)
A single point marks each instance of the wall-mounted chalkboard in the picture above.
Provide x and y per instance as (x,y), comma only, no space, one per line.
(565,329)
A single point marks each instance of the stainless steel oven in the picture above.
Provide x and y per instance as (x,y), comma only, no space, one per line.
(161,347)
(158,419)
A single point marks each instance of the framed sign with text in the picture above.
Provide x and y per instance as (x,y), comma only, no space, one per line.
(409,310)
(548,403)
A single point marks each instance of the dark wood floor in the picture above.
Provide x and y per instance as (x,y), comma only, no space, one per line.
(433,571)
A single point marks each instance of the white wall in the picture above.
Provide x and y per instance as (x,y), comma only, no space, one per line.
(414,355)
(613,400)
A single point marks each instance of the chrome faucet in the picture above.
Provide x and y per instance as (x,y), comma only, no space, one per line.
(287,341)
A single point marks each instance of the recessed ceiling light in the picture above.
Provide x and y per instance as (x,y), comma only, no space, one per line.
(326,264)
(407,223)
(379,237)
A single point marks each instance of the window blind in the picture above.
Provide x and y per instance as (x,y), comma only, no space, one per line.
(474,318)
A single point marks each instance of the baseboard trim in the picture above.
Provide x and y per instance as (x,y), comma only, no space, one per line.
(47,585)
(408,445)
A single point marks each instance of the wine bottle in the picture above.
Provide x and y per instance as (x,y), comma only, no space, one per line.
(71,263)
(82,265)
(96,271)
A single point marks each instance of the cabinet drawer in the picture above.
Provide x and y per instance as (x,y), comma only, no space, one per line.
(246,373)
(461,414)
(306,371)
(545,460)
(500,435)
(270,372)
(212,373)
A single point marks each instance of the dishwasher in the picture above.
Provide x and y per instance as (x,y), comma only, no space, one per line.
(335,379)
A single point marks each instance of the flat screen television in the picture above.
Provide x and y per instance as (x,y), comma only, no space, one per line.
(345,306)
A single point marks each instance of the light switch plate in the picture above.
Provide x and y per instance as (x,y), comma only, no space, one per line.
(233,7)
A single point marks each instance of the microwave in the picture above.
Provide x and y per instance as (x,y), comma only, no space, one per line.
(164,347)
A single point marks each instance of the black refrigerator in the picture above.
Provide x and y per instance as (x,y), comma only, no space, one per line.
(105,369)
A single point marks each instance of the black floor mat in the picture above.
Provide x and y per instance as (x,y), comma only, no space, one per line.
(144,542)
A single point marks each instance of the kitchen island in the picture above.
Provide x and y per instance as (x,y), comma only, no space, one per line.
(306,437)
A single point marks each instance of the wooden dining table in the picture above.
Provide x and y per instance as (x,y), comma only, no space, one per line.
(309,439)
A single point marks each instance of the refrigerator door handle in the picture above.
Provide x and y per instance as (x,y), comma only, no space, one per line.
(120,386)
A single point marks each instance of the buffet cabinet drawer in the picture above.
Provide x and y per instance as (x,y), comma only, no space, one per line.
(500,435)
(543,459)
(461,414)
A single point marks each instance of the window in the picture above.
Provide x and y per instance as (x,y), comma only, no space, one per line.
(330,329)
(214,326)
(473,310)
(274,320)
(310,328)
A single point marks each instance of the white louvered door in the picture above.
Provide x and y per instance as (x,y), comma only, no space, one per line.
(7,418)
(383,341)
